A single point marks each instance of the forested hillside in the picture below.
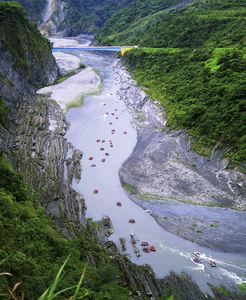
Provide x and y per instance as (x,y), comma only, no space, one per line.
(34,8)
(80,16)
(202,23)
(195,65)
(83,16)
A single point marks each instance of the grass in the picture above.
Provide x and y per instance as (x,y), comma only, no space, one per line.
(94,224)
(17,291)
(23,38)
(69,74)
(51,293)
(129,188)
(242,287)
(154,197)
(64,77)
(222,290)
(149,196)
(79,101)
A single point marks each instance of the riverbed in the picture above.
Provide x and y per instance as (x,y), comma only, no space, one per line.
(104,130)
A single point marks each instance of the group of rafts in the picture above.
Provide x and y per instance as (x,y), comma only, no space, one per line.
(197,259)
(146,247)
(103,141)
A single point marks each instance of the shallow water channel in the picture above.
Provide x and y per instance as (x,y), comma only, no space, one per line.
(95,120)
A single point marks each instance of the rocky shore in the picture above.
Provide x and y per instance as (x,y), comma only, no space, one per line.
(189,195)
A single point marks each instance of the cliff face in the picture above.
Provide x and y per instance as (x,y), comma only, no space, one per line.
(26,62)
(32,135)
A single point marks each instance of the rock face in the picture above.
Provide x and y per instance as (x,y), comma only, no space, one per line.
(53,16)
(14,82)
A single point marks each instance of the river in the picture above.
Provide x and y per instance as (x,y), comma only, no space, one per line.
(103,129)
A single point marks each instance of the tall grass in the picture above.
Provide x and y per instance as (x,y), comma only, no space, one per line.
(17,293)
(51,293)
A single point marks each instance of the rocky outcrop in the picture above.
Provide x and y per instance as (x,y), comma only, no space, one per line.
(53,16)
(38,150)
(14,81)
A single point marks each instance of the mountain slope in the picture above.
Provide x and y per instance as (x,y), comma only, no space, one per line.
(34,8)
(72,17)
(195,65)
(83,16)
(202,23)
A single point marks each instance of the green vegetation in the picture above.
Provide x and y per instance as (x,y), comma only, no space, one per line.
(64,77)
(89,15)
(32,250)
(221,290)
(202,90)
(214,23)
(20,37)
(168,298)
(51,293)
(34,8)
(69,74)
(242,287)
(196,66)
(3,111)
(215,225)
(129,188)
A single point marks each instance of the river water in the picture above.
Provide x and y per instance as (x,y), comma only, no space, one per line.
(106,118)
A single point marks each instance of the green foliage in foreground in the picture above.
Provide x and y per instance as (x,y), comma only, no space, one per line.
(32,250)
(201,90)
(20,37)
